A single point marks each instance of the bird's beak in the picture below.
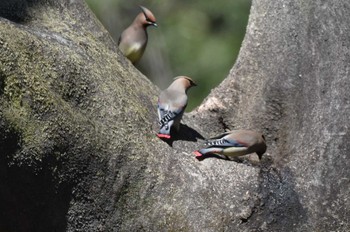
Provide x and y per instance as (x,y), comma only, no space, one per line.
(154,24)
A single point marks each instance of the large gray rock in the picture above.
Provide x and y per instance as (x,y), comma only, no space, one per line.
(78,150)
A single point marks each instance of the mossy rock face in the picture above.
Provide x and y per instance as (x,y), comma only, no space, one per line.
(52,83)
(67,105)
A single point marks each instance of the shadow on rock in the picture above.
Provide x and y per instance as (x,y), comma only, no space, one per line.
(185,133)
(278,206)
(16,10)
(215,156)
(239,159)
(31,199)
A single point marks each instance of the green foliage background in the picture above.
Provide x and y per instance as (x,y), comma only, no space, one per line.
(199,39)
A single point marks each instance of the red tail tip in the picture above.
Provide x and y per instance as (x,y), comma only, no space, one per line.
(198,154)
(163,136)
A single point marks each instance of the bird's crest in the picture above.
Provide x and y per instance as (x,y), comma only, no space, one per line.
(149,16)
(187,78)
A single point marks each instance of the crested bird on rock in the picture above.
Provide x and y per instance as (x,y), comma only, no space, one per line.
(133,40)
(172,103)
(235,143)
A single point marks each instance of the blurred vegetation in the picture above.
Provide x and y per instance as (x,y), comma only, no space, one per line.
(199,39)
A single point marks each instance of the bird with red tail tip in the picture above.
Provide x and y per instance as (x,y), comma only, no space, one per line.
(172,103)
(133,40)
(234,143)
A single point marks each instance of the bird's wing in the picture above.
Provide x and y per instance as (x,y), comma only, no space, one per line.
(167,114)
(171,104)
(225,142)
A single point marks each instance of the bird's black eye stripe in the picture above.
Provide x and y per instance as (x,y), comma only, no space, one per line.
(149,20)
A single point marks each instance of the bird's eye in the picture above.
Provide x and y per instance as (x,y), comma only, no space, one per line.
(149,20)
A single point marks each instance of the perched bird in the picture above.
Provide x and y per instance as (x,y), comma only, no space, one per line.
(171,105)
(133,40)
(235,143)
